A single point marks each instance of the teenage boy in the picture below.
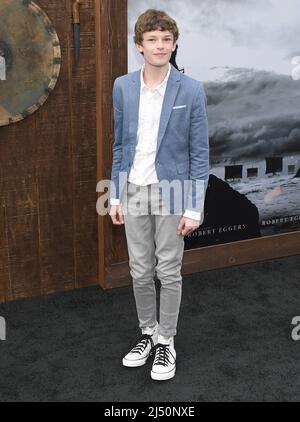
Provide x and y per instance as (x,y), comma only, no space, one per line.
(161,134)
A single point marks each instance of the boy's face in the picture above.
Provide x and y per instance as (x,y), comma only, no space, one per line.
(157,47)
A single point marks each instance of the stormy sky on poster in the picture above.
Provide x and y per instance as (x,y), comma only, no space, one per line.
(242,51)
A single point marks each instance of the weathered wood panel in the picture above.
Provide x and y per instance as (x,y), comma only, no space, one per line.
(111,62)
(48,221)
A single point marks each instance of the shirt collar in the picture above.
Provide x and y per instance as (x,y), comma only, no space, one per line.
(161,87)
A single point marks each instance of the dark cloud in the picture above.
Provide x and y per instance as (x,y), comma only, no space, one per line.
(253,114)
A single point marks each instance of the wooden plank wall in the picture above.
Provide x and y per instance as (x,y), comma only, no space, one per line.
(48,174)
(111,62)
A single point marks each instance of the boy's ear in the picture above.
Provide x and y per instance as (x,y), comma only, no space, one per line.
(139,47)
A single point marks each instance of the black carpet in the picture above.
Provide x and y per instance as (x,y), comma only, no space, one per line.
(233,342)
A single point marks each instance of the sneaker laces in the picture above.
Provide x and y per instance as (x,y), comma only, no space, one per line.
(142,344)
(162,354)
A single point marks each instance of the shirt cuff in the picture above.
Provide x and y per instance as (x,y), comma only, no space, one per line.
(114,201)
(193,215)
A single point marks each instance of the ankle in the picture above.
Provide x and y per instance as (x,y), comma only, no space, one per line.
(149,330)
(165,340)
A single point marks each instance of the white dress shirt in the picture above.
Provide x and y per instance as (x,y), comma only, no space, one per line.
(143,171)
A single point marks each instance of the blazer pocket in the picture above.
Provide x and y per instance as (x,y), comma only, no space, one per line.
(179,107)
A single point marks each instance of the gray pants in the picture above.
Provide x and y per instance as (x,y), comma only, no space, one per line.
(153,245)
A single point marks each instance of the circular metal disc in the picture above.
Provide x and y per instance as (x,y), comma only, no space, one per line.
(30,59)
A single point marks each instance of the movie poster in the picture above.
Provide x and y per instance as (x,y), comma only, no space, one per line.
(247,54)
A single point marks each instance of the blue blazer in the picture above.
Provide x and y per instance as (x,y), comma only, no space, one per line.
(182,146)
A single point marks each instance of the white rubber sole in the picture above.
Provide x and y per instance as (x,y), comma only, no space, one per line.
(163,377)
(134,363)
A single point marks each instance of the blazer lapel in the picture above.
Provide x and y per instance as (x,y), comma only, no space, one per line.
(168,102)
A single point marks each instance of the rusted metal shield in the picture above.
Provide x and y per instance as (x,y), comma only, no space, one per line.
(30,59)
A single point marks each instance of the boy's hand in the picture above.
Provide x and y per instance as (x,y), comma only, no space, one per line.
(116,214)
(187,226)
